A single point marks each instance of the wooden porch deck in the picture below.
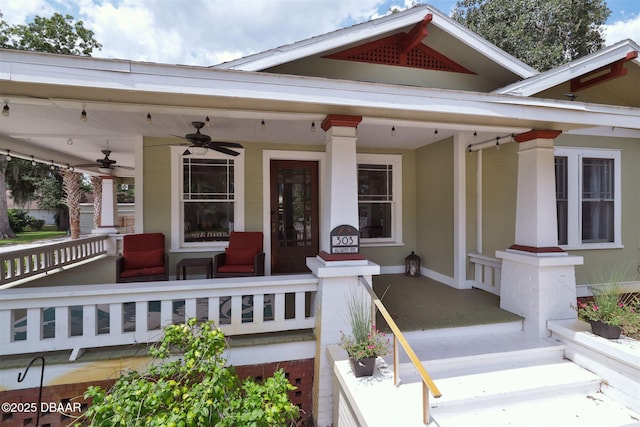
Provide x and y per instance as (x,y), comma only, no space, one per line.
(420,303)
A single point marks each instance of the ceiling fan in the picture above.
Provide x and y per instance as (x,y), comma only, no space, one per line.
(104,164)
(201,140)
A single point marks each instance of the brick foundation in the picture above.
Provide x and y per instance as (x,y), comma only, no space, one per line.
(298,372)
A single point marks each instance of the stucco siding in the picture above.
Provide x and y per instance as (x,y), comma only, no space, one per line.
(434,202)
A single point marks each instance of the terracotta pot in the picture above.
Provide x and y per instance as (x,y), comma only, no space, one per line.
(363,367)
(605,330)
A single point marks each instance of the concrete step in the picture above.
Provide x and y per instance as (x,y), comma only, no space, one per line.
(515,385)
(570,410)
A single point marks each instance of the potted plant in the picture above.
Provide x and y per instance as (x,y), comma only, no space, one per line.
(365,343)
(607,312)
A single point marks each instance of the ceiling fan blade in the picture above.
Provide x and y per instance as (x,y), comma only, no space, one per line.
(222,150)
(227,144)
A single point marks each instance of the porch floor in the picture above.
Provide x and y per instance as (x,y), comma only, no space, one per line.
(421,303)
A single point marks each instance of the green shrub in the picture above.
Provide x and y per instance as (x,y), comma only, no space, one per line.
(36,224)
(188,384)
(19,220)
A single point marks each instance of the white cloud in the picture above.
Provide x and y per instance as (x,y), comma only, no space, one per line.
(207,32)
(625,29)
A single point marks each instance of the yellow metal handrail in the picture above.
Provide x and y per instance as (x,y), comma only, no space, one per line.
(398,338)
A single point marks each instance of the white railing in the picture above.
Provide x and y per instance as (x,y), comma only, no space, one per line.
(21,264)
(486,272)
(92,316)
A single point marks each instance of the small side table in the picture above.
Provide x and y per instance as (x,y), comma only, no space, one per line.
(194,262)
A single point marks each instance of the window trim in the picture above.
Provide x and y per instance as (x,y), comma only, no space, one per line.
(395,160)
(177,214)
(574,157)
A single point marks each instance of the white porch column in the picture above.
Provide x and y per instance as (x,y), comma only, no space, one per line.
(109,206)
(341,176)
(337,273)
(538,278)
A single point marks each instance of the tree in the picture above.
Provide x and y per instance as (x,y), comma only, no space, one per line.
(541,33)
(72,183)
(57,34)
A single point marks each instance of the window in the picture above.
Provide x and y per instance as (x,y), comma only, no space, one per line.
(208,199)
(380,198)
(588,197)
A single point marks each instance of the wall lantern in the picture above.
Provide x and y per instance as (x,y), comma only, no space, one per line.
(412,265)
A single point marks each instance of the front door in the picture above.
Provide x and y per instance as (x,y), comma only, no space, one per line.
(294,215)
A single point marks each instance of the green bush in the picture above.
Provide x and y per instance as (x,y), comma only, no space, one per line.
(36,224)
(19,220)
(188,384)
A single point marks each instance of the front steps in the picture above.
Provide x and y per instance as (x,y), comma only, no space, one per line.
(506,378)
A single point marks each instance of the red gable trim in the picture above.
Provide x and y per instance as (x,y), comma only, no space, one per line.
(340,120)
(537,134)
(404,50)
(595,77)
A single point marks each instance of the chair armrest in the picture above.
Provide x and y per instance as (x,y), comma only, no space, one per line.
(119,267)
(258,264)
(218,260)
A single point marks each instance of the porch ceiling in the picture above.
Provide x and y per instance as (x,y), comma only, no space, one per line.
(51,129)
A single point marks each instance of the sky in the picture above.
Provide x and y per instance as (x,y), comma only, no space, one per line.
(208,32)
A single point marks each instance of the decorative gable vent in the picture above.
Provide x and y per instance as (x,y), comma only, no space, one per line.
(388,51)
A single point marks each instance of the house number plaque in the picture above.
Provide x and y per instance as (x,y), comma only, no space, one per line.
(345,239)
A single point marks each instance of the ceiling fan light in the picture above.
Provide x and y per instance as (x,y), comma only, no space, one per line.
(106,171)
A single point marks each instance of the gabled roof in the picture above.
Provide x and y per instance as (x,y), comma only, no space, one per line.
(621,51)
(377,28)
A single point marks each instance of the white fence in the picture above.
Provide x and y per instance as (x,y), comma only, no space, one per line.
(24,263)
(91,316)
(486,273)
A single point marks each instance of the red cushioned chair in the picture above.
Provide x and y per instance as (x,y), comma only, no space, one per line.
(243,257)
(143,259)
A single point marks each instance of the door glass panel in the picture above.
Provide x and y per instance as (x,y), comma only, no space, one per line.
(294,207)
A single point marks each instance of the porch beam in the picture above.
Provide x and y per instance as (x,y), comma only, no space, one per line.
(414,37)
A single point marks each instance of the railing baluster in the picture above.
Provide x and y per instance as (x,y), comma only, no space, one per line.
(214,310)
(279,307)
(142,321)
(258,308)
(236,311)
(7,327)
(34,325)
(89,324)
(166,313)
(190,308)
(116,319)
(62,322)
(300,299)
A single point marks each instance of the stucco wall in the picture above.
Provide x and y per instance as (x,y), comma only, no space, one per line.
(434,202)
(499,188)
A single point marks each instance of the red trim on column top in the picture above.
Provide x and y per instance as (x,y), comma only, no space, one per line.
(340,257)
(340,120)
(536,250)
(107,177)
(615,69)
(537,134)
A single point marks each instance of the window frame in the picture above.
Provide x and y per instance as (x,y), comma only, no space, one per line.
(575,170)
(395,160)
(177,208)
